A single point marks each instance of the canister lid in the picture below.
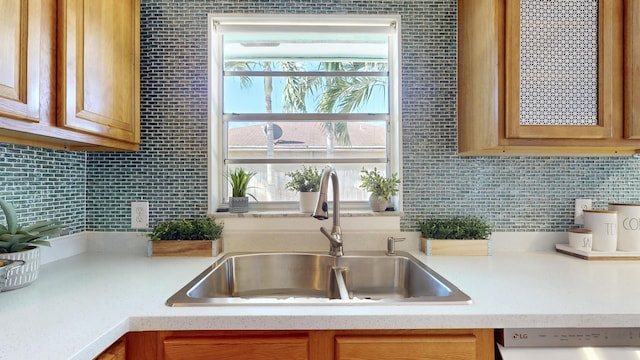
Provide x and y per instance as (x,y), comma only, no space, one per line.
(579,231)
(601,211)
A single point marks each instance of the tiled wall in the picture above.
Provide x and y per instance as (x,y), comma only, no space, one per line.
(513,193)
(44,184)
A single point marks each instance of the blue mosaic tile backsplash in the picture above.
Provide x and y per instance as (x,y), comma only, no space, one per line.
(170,170)
(44,184)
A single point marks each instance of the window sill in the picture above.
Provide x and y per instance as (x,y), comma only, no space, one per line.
(298,214)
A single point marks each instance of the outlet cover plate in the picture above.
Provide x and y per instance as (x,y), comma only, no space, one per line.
(140,215)
(581,204)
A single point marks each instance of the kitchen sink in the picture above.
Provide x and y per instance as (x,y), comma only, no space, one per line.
(310,278)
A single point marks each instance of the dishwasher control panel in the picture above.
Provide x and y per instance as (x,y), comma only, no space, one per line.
(568,337)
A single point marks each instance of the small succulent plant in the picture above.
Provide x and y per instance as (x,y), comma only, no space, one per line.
(14,237)
(239,180)
(305,180)
(379,185)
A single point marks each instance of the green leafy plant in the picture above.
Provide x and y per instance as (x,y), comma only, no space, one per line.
(239,180)
(14,237)
(469,227)
(379,185)
(204,228)
(305,180)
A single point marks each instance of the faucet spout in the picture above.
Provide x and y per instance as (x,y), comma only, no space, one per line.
(322,210)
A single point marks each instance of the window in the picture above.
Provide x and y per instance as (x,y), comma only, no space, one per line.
(287,91)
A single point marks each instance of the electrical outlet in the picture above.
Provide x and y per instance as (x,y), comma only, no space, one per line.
(581,204)
(140,215)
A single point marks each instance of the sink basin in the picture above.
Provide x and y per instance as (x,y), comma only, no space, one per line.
(308,278)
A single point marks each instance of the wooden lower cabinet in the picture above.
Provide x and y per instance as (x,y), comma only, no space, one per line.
(117,351)
(450,344)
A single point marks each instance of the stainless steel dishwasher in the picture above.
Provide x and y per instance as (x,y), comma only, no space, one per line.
(568,344)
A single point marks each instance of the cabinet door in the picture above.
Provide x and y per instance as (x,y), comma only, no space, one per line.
(98,67)
(117,351)
(405,347)
(25,71)
(560,59)
(632,70)
(249,347)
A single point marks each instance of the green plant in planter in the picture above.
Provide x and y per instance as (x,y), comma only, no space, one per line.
(205,228)
(239,180)
(468,227)
(14,237)
(305,180)
(379,185)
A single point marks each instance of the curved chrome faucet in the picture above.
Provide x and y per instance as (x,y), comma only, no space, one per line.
(322,210)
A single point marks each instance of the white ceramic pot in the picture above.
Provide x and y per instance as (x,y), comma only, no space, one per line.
(6,266)
(25,274)
(378,203)
(628,226)
(603,225)
(308,201)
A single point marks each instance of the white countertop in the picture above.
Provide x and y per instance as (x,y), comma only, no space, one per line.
(82,304)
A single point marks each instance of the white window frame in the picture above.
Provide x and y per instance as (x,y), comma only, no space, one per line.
(216,138)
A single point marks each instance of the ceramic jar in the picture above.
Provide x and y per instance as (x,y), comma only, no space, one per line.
(628,226)
(603,225)
(580,239)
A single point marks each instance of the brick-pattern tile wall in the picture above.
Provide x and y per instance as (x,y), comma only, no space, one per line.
(44,185)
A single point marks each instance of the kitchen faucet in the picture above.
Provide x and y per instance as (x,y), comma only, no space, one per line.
(321,212)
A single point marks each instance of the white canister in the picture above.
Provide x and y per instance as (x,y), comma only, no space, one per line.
(603,225)
(580,239)
(628,226)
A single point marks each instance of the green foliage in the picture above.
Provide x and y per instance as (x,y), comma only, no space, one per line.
(239,180)
(14,237)
(305,180)
(378,185)
(204,228)
(469,227)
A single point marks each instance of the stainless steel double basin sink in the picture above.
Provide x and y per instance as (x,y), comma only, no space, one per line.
(310,278)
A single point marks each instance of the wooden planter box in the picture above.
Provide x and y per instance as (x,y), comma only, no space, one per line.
(455,247)
(184,247)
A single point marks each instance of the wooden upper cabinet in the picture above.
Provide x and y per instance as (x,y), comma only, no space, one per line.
(555,86)
(73,83)
(544,81)
(632,70)
(25,75)
(98,69)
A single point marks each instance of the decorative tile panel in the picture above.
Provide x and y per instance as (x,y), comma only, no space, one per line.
(558,62)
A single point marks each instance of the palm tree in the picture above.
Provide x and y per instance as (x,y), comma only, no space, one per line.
(341,94)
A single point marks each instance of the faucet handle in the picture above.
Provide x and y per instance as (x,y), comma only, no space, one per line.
(391,244)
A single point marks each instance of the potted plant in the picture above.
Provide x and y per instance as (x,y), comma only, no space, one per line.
(452,236)
(307,183)
(239,199)
(20,242)
(186,237)
(381,188)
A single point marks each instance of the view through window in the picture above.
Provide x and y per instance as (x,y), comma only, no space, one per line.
(294,91)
